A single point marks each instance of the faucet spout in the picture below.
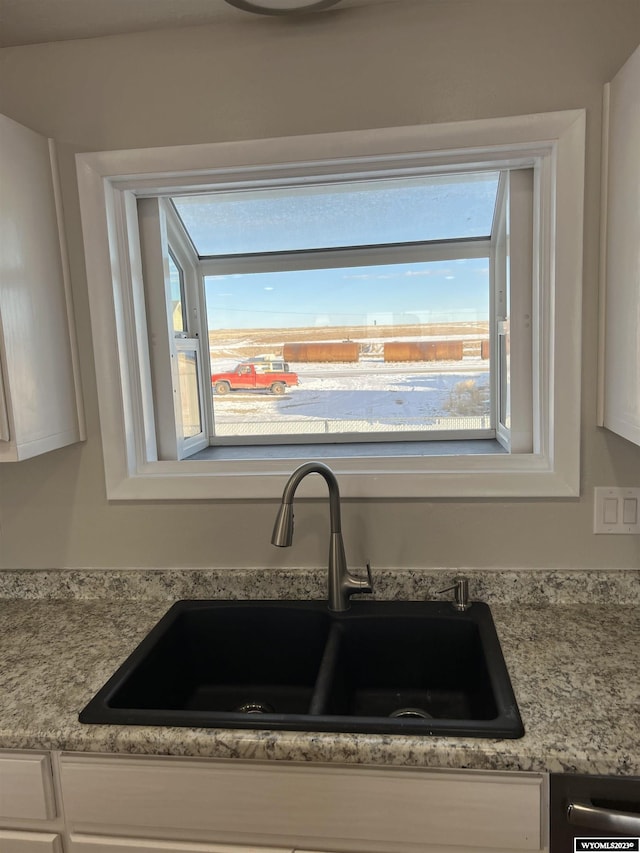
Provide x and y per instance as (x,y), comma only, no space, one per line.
(341,584)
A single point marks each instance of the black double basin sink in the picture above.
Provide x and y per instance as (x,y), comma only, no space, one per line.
(419,668)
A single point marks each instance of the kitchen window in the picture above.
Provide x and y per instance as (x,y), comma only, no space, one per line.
(353,260)
(376,299)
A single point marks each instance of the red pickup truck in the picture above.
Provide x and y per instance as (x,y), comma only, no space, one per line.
(245,377)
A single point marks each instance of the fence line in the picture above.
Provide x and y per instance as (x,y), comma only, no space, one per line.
(328,426)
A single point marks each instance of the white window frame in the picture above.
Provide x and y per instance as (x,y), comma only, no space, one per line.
(158,232)
(109,183)
(512,312)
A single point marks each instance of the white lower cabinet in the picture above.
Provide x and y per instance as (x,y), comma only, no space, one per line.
(17,841)
(82,803)
(96,844)
(26,787)
(29,822)
(123,804)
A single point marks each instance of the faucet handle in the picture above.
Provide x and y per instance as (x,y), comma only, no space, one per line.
(354,584)
(369,577)
(461,587)
(361,585)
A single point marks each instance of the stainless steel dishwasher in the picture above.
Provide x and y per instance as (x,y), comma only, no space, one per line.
(586,811)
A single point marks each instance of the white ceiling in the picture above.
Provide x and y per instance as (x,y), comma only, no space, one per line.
(33,21)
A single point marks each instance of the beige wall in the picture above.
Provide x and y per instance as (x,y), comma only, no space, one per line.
(372,66)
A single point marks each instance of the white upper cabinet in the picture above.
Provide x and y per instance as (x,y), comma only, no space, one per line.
(40,407)
(620,398)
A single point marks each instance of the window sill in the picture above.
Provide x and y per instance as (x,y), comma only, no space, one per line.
(426,470)
(344,451)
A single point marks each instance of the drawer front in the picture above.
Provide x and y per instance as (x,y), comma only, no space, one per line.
(26,787)
(97,844)
(309,807)
(29,842)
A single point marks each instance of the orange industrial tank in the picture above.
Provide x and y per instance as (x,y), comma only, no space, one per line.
(326,351)
(423,351)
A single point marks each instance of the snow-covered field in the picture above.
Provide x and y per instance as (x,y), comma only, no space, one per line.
(368,396)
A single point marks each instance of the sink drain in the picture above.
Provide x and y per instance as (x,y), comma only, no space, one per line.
(254,708)
(411,712)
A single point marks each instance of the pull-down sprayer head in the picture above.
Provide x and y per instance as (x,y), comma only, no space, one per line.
(282,535)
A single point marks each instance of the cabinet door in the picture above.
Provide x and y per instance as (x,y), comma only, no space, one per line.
(98,844)
(319,807)
(26,787)
(29,842)
(40,410)
(621,283)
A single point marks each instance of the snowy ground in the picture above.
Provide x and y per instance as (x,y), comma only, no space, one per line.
(367,396)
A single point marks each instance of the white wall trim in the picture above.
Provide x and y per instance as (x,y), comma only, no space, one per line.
(555,139)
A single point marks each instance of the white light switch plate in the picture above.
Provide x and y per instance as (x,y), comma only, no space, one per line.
(616,510)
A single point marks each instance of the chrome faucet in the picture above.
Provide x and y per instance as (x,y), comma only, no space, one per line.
(341,584)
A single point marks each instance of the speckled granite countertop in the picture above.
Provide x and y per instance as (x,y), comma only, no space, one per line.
(575,670)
